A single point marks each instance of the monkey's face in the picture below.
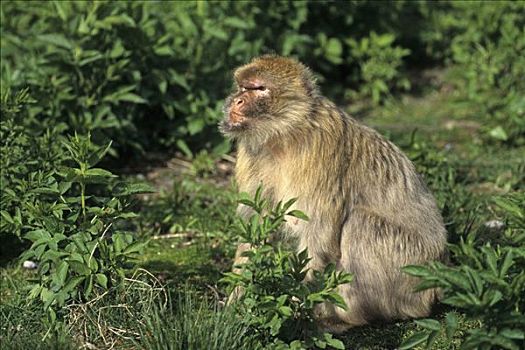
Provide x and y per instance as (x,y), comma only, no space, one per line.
(273,96)
(247,106)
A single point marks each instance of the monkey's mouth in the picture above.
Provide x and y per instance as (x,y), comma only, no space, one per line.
(233,122)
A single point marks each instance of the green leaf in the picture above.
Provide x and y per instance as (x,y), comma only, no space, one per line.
(92,263)
(35,235)
(90,59)
(88,286)
(236,22)
(47,297)
(511,207)
(246,202)
(61,273)
(118,243)
(179,79)
(457,278)
(285,311)
(57,40)
(298,214)
(69,174)
(316,298)
(60,10)
(134,248)
(52,316)
(507,263)
(384,40)
(431,339)
(416,270)
(195,125)
(99,154)
(99,172)
(222,148)
(131,97)
(513,333)
(7,217)
(128,215)
(451,321)
(102,280)
(163,50)
(184,148)
(127,189)
(334,343)
(97,175)
(498,133)
(429,324)
(73,283)
(320,343)
(491,259)
(79,267)
(35,291)
(121,19)
(414,340)
(64,186)
(334,50)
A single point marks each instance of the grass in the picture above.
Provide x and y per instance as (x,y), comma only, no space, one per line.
(192,221)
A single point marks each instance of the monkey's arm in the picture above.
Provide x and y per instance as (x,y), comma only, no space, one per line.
(239,258)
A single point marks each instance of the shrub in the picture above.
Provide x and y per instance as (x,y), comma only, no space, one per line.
(29,158)
(152,75)
(111,69)
(487,284)
(55,197)
(484,43)
(379,63)
(280,303)
(76,236)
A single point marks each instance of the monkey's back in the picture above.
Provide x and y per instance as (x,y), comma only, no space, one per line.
(392,220)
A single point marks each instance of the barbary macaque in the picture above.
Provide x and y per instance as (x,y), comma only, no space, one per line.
(369,212)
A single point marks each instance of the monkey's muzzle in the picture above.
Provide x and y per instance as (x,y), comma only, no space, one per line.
(234,121)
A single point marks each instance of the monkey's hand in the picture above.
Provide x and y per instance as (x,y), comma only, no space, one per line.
(239,260)
(237,293)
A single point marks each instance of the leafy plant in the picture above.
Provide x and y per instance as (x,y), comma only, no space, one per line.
(76,237)
(484,44)
(141,73)
(379,63)
(488,284)
(276,292)
(28,159)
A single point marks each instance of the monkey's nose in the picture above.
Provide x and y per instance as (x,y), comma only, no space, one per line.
(239,101)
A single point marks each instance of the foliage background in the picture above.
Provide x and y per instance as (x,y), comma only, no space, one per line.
(151,78)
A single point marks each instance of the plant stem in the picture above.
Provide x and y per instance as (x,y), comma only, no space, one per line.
(83,199)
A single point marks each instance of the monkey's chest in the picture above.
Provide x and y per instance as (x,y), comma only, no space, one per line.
(279,180)
(281,183)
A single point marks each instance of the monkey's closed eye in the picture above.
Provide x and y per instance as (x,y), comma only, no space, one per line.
(257,87)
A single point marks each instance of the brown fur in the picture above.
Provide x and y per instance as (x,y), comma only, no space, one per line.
(370,213)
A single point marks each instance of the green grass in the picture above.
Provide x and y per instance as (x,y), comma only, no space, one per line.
(139,314)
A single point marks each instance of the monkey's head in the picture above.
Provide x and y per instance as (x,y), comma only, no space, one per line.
(273,95)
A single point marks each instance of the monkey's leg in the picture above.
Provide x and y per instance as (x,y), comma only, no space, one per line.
(322,250)
(238,260)
(375,249)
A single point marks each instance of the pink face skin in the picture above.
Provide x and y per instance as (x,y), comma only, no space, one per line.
(250,91)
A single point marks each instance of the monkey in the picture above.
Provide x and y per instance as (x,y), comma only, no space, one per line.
(370,212)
